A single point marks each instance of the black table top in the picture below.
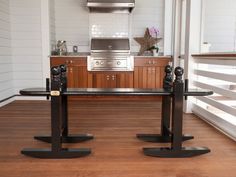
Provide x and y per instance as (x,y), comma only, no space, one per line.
(113,92)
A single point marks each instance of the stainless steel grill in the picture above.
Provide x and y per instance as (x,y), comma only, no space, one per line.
(110,55)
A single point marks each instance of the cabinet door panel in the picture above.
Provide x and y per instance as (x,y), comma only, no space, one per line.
(101,80)
(112,81)
(125,80)
(147,77)
(71,76)
(77,77)
(151,76)
(162,75)
(149,72)
(158,79)
(98,80)
(144,76)
(82,77)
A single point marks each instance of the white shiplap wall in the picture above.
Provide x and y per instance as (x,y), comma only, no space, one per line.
(52,24)
(147,13)
(74,22)
(6,79)
(26,43)
(220,24)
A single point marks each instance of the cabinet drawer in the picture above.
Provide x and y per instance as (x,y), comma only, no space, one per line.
(151,61)
(70,61)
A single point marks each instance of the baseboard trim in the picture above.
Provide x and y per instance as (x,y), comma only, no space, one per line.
(7,100)
(20,97)
(12,98)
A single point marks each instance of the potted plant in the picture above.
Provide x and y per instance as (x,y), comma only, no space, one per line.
(155,50)
(154,32)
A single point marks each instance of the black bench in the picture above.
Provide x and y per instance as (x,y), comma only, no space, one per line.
(172,94)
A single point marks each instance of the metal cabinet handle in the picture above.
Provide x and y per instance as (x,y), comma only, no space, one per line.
(108,77)
(113,77)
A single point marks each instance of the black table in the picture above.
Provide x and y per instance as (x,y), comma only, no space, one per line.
(172,101)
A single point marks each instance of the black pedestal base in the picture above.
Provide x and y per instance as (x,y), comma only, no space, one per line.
(67,139)
(62,154)
(157,138)
(170,153)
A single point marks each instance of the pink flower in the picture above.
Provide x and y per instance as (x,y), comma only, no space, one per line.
(154,32)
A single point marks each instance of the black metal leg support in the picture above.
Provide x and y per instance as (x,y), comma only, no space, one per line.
(176,149)
(56,151)
(165,136)
(65,137)
(78,138)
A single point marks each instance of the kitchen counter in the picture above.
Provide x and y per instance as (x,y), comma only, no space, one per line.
(79,54)
(85,54)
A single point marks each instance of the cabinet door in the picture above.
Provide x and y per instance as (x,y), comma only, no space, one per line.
(125,80)
(147,77)
(77,77)
(149,72)
(111,80)
(103,80)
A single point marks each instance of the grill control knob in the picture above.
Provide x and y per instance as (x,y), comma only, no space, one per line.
(97,62)
(102,62)
(118,63)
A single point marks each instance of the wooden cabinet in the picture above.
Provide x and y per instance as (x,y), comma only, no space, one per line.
(77,73)
(149,72)
(110,79)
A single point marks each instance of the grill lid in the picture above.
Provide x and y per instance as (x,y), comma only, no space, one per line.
(110,44)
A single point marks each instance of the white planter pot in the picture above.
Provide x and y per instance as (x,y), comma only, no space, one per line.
(155,53)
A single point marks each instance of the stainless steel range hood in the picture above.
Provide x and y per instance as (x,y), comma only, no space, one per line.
(111,6)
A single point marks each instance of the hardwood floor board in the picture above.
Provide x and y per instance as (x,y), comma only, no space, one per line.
(116,152)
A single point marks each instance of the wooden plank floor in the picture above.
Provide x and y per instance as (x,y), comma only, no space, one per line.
(116,151)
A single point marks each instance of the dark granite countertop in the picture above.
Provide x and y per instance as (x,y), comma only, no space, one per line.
(85,54)
(114,91)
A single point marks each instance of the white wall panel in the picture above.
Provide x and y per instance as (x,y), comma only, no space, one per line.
(74,22)
(220,25)
(52,20)
(26,43)
(6,79)
(6,92)
(146,14)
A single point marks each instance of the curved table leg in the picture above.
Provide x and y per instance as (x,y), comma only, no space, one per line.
(171,153)
(66,139)
(62,154)
(158,138)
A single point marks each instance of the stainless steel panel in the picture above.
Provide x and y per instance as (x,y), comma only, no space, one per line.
(111,6)
(111,1)
(104,64)
(110,44)
(106,5)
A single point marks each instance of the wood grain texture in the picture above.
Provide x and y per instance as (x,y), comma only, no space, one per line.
(221,55)
(116,151)
(149,72)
